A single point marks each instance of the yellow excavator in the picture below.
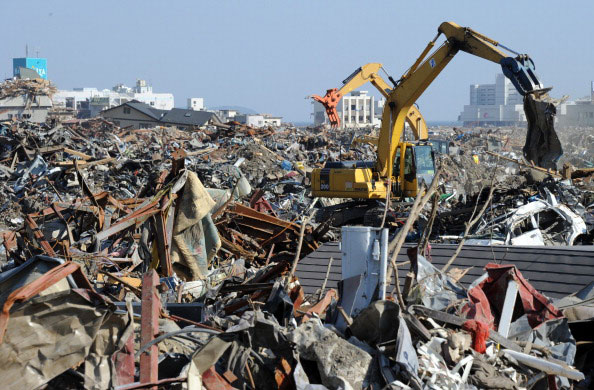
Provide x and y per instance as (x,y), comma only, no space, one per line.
(400,166)
(353,179)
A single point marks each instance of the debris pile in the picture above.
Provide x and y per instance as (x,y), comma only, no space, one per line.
(160,258)
(29,87)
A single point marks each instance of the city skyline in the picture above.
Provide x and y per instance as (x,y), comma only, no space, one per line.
(225,52)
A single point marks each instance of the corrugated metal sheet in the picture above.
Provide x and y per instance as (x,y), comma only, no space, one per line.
(554,271)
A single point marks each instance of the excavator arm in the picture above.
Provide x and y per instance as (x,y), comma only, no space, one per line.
(368,74)
(519,69)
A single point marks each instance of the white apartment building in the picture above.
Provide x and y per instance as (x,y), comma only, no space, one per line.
(196,104)
(91,101)
(577,113)
(258,120)
(355,110)
(496,104)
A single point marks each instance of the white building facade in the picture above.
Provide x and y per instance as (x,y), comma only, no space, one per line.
(496,104)
(196,104)
(93,101)
(577,113)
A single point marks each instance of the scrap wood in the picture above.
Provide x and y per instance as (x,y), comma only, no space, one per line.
(85,164)
(40,237)
(526,165)
(132,283)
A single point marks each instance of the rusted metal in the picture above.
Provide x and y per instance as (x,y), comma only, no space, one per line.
(259,203)
(128,221)
(269,255)
(163,241)
(150,309)
(179,157)
(244,302)
(283,375)
(87,191)
(124,363)
(9,240)
(211,380)
(46,280)
(247,212)
(153,384)
(229,376)
(59,214)
(161,180)
(40,237)
(297,296)
(250,376)
(321,306)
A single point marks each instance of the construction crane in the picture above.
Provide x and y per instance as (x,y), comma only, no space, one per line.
(400,166)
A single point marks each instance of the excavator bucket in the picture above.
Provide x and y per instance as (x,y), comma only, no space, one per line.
(542,144)
(330,101)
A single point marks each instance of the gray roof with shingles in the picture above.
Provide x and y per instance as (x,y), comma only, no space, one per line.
(554,271)
(180,116)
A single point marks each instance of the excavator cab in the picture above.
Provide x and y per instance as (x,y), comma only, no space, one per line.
(418,165)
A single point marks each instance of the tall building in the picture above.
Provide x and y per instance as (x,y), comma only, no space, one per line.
(37,64)
(496,104)
(355,110)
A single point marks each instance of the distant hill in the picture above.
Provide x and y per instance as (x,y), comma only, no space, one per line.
(243,110)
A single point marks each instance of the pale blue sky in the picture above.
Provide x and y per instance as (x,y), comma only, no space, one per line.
(269,55)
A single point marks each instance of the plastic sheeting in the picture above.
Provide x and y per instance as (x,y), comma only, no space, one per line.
(435,289)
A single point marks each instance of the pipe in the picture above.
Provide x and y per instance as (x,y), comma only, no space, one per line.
(383,264)
(545,365)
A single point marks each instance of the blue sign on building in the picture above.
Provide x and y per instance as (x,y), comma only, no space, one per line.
(37,64)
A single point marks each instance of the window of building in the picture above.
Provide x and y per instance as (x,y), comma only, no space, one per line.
(152,103)
(360,118)
(126,110)
(353,106)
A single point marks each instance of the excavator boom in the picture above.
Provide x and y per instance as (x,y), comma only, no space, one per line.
(368,73)
(414,162)
(519,69)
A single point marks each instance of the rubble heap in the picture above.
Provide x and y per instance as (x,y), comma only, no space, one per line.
(159,258)
(30,87)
